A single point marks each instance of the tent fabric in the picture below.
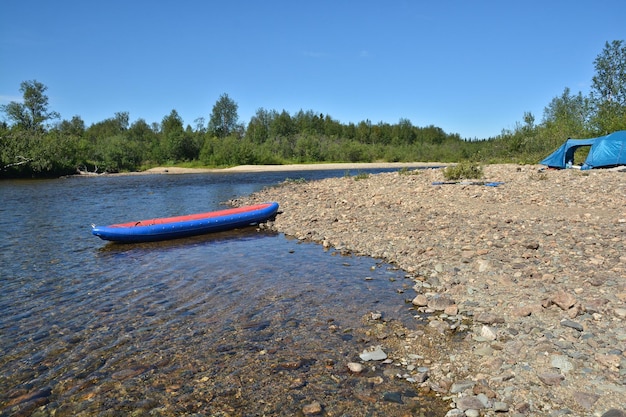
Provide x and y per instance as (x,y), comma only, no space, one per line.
(605,151)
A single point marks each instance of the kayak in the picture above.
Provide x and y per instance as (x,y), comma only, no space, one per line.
(189,225)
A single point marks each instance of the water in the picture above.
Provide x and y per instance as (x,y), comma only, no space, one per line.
(236,323)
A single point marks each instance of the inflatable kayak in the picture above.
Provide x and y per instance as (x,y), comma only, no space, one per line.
(183,226)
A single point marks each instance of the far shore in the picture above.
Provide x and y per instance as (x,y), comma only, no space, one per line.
(287,168)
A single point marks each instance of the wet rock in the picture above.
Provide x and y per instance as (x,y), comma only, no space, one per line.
(393,397)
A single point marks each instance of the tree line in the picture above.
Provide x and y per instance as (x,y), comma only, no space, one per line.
(34,143)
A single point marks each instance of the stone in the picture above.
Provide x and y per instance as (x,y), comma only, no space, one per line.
(488,318)
(551,378)
(470,402)
(561,362)
(393,397)
(312,409)
(488,333)
(373,354)
(420,300)
(585,399)
(564,300)
(461,386)
(451,310)
(610,361)
(614,412)
(500,407)
(572,325)
(355,367)
(439,302)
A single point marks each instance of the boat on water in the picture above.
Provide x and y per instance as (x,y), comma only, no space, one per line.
(189,225)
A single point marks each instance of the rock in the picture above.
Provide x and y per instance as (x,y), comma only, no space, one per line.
(610,361)
(551,378)
(451,310)
(614,412)
(312,409)
(488,333)
(561,362)
(488,318)
(393,397)
(500,407)
(355,367)
(461,386)
(564,300)
(585,399)
(420,300)
(470,402)
(375,353)
(439,302)
(572,324)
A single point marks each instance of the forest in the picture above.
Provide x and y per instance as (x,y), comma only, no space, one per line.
(34,143)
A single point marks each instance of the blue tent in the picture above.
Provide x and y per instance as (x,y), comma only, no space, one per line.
(605,151)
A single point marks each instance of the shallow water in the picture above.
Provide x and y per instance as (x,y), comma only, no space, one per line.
(245,322)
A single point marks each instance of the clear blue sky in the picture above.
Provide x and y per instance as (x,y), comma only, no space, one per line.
(469,67)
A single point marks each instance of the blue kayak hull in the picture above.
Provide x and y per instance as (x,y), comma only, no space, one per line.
(185,226)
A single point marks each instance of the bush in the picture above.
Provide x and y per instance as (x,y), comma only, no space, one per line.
(463,170)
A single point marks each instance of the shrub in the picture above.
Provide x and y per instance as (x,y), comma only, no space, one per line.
(463,170)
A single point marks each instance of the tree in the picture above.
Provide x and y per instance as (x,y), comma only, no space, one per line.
(609,83)
(566,116)
(608,88)
(224,117)
(33,112)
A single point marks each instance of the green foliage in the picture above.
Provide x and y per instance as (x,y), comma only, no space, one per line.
(33,112)
(223,121)
(463,170)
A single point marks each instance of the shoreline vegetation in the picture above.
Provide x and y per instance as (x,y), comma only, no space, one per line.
(35,144)
(522,285)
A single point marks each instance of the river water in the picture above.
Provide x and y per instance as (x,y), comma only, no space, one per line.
(240,323)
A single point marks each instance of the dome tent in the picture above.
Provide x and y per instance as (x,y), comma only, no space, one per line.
(606,151)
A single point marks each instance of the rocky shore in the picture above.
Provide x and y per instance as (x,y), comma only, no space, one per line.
(522,282)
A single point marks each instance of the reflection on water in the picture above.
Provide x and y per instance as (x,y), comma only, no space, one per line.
(235,323)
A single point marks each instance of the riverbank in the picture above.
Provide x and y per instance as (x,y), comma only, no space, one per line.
(522,282)
(290,167)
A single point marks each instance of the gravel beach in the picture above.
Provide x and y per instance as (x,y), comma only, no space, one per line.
(522,282)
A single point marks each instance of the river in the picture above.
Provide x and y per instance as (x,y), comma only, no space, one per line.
(239,323)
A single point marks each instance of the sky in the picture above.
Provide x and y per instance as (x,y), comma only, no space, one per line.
(473,68)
